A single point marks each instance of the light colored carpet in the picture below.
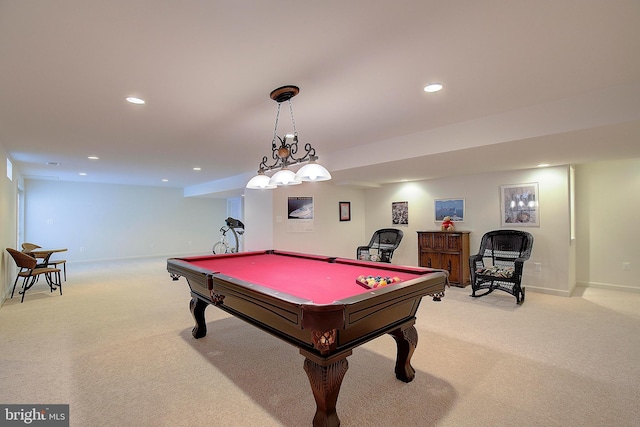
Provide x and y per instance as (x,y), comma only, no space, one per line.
(117,347)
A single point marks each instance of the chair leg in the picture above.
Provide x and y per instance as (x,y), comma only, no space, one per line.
(520,295)
(26,286)
(14,285)
(59,282)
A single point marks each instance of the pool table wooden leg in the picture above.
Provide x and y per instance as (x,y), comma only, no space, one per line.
(326,380)
(406,340)
(197,307)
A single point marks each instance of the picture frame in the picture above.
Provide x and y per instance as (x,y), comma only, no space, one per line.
(453,208)
(400,213)
(519,205)
(345,211)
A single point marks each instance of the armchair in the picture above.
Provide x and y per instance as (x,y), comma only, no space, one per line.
(381,246)
(499,262)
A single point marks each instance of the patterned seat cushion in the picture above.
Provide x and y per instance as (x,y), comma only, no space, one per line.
(495,271)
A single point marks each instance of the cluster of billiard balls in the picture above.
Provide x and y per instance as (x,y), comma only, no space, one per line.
(377,281)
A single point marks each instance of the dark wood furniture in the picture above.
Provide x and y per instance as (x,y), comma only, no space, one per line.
(315,304)
(447,250)
(500,261)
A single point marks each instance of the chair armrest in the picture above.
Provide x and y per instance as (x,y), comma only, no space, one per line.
(519,265)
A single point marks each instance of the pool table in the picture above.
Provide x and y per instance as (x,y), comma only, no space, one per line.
(315,303)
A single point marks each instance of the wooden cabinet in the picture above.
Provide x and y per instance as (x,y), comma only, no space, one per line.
(447,250)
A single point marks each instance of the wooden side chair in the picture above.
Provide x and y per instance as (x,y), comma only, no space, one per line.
(28,247)
(56,262)
(30,273)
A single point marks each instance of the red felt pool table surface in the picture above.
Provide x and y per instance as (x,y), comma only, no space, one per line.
(320,280)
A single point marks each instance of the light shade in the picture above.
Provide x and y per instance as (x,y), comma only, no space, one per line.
(312,171)
(284,177)
(260,182)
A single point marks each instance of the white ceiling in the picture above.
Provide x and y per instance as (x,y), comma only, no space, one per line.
(555,81)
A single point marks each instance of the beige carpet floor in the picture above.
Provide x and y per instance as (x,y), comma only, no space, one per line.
(117,347)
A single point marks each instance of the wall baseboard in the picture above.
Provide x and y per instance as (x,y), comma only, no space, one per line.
(548,291)
(609,286)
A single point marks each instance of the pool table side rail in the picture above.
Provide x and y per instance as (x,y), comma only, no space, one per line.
(355,323)
(357,319)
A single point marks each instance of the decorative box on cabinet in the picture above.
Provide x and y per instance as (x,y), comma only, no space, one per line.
(447,250)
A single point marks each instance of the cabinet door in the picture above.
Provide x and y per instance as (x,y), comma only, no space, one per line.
(454,242)
(430,259)
(426,240)
(439,241)
(451,263)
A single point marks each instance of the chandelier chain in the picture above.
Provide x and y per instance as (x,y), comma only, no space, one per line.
(275,129)
(293,121)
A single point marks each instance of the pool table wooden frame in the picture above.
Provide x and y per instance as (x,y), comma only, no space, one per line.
(325,334)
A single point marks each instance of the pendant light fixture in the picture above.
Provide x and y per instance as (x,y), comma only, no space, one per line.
(284,152)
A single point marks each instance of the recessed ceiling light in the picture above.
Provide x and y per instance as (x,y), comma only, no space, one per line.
(433,87)
(93,157)
(197,169)
(82,174)
(543,165)
(134,100)
(165,180)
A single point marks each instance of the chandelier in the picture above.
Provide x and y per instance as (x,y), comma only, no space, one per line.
(284,153)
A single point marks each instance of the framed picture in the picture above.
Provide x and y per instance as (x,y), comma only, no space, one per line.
(453,208)
(400,213)
(345,211)
(519,205)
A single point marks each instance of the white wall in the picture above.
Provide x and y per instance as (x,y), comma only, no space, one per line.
(102,221)
(482,213)
(607,206)
(371,210)
(123,221)
(258,220)
(330,236)
(8,225)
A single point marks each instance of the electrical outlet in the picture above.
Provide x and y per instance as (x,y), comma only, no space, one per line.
(81,248)
(537,266)
(626,266)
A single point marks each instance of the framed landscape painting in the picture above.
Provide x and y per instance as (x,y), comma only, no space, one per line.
(453,208)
